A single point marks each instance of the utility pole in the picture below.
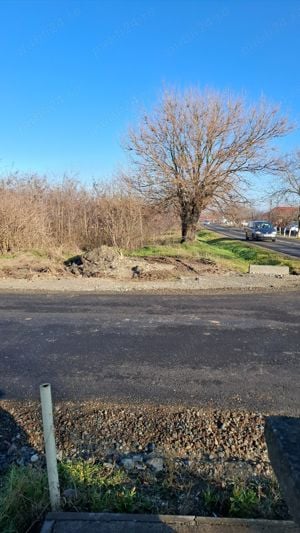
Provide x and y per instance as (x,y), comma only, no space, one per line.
(270,211)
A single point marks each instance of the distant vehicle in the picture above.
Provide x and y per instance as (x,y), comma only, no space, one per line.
(260,230)
(291,228)
(206,222)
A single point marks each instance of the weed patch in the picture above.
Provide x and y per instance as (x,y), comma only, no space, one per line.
(24,499)
(93,487)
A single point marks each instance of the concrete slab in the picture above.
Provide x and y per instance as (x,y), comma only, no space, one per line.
(276,270)
(135,523)
(283,441)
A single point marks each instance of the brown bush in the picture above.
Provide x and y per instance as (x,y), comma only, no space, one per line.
(23,214)
(37,214)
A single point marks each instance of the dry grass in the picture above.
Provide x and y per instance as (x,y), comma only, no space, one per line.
(33,264)
(37,215)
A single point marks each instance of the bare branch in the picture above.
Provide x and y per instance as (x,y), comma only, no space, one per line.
(197,147)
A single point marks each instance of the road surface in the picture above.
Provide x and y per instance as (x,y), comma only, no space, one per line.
(283,245)
(218,350)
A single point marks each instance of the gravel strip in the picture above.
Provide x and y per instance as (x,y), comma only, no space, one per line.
(94,429)
(245,282)
(183,460)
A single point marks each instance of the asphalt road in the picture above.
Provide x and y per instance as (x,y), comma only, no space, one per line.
(226,351)
(287,246)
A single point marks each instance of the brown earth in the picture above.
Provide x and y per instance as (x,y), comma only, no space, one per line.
(107,263)
(107,270)
(29,266)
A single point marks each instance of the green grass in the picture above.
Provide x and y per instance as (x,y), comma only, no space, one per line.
(24,497)
(244,502)
(98,489)
(224,251)
(8,255)
(252,499)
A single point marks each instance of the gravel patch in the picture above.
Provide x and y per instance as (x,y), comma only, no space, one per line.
(212,283)
(98,430)
(186,460)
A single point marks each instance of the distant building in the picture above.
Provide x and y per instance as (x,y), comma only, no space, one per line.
(207,216)
(281,216)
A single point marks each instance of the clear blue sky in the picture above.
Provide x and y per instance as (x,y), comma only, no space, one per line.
(74,74)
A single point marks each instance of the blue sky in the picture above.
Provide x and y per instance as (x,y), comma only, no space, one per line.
(75,74)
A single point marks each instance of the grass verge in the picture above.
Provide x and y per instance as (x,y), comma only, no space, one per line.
(92,487)
(229,253)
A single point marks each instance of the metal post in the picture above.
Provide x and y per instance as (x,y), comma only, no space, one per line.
(50,448)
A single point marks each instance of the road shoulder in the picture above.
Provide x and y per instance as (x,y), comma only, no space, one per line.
(240,282)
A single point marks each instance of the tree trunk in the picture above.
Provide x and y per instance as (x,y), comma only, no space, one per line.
(189,225)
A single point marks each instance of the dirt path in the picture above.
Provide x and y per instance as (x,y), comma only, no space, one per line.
(244,282)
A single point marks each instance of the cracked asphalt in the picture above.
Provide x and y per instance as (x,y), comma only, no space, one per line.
(225,351)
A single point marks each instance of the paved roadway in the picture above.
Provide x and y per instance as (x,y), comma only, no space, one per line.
(219,350)
(287,246)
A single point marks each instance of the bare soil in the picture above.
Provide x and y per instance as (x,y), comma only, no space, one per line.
(104,263)
(32,266)
(107,270)
(108,263)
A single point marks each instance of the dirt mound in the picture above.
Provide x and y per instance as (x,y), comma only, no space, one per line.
(103,256)
(106,262)
(96,263)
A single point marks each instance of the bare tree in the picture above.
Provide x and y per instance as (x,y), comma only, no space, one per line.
(196,148)
(237,212)
(289,184)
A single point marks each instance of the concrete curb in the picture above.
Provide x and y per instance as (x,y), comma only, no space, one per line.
(283,436)
(275,270)
(139,523)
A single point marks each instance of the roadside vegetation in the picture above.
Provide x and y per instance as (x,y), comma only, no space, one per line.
(210,144)
(232,254)
(164,258)
(92,487)
(41,216)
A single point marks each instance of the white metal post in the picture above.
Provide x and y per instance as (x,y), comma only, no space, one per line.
(50,448)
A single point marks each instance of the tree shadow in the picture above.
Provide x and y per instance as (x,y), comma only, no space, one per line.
(186,490)
(182,490)
(15,447)
(225,240)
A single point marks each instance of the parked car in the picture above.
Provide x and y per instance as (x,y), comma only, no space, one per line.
(260,230)
(291,229)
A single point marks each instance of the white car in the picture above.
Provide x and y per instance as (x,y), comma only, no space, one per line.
(291,229)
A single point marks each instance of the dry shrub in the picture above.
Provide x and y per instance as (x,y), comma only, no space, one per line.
(23,215)
(38,214)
